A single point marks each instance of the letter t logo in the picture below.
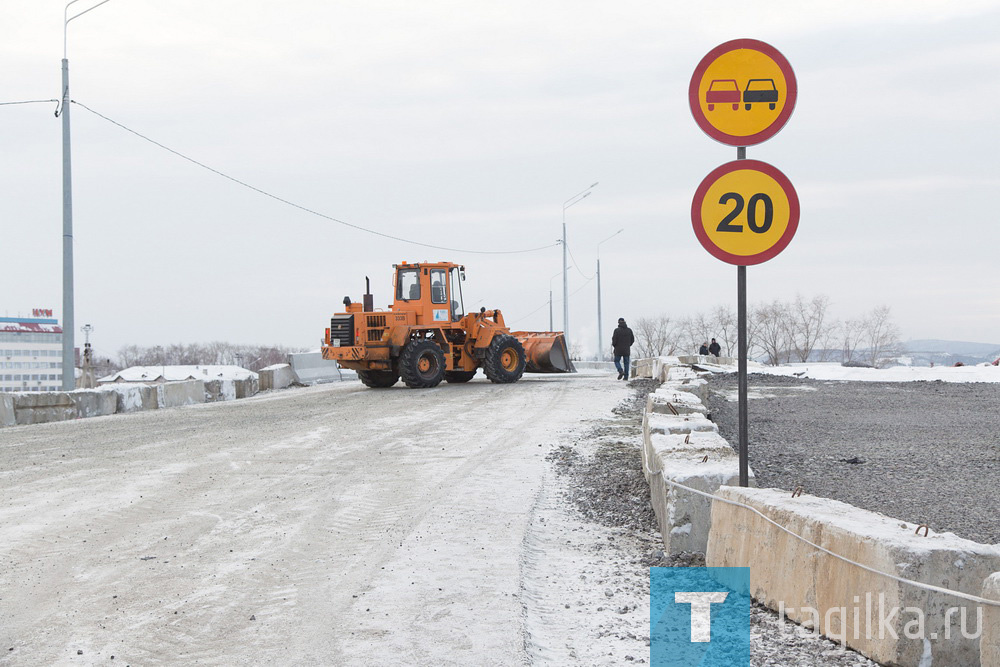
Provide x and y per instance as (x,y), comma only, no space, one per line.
(701,612)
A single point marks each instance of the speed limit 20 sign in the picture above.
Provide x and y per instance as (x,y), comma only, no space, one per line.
(745,212)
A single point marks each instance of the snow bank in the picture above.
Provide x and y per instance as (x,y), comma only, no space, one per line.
(833,371)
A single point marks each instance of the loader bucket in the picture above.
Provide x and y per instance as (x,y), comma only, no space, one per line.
(545,351)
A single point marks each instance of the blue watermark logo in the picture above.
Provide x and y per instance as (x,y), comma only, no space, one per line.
(699,616)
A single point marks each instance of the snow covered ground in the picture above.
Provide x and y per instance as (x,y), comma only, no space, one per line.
(835,371)
(325,525)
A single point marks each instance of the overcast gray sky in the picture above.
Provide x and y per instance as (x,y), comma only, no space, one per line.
(467,124)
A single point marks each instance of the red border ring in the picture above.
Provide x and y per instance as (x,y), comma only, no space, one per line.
(779,122)
(770,253)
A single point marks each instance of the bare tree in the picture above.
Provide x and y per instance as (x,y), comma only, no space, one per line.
(655,336)
(725,325)
(881,335)
(849,335)
(771,326)
(696,330)
(807,324)
(252,357)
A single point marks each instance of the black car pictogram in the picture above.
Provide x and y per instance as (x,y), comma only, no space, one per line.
(759,91)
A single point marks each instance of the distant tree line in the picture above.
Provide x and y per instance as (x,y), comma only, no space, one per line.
(252,357)
(777,332)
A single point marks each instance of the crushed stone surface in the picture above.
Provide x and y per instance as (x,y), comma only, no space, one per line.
(922,452)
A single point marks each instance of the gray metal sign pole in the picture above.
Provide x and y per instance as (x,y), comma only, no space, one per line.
(741,307)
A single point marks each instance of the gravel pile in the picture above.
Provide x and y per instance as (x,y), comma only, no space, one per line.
(923,452)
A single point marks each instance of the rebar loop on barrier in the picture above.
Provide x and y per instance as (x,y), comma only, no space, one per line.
(672,408)
(797,492)
(687,439)
(927,530)
(909,582)
(704,459)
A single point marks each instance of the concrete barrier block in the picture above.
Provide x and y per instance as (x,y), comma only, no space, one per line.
(708,360)
(278,376)
(93,403)
(696,386)
(43,407)
(674,403)
(130,397)
(7,416)
(653,423)
(643,368)
(989,643)
(684,518)
(845,602)
(220,390)
(174,394)
(247,387)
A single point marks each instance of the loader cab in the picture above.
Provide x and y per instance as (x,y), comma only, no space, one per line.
(432,291)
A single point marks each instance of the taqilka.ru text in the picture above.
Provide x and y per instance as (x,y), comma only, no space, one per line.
(872,618)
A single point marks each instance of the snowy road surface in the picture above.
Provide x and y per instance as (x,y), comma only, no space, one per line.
(329,525)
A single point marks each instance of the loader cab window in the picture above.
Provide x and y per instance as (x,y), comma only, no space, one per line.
(438,292)
(457,307)
(408,285)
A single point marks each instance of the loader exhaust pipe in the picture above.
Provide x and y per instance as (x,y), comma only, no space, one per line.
(369,300)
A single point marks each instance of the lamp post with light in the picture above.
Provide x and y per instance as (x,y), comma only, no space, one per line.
(68,360)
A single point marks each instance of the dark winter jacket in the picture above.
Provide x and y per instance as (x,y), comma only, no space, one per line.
(715,348)
(621,340)
(703,350)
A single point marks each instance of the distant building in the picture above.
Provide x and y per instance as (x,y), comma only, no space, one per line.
(30,353)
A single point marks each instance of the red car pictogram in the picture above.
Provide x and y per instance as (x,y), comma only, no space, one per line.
(723,91)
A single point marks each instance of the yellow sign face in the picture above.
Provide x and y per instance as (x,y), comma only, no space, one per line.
(745,212)
(742,92)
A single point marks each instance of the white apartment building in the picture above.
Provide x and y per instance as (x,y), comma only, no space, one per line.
(30,353)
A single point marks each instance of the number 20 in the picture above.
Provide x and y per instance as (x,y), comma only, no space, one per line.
(751,206)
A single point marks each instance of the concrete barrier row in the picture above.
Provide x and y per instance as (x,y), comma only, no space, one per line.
(43,407)
(846,602)
(682,445)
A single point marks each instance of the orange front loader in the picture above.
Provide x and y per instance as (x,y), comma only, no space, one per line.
(426,336)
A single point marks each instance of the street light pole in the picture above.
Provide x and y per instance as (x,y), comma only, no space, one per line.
(600,318)
(68,348)
(575,199)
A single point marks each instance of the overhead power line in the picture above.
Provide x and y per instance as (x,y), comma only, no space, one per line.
(5,104)
(554,301)
(576,265)
(305,208)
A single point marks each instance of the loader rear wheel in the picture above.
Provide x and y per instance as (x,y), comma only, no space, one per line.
(421,364)
(505,360)
(378,379)
(459,376)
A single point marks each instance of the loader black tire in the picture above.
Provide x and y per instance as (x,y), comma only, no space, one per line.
(505,359)
(455,377)
(378,379)
(421,364)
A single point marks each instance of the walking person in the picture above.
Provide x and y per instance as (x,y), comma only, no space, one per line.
(621,345)
(703,350)
(715,348)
